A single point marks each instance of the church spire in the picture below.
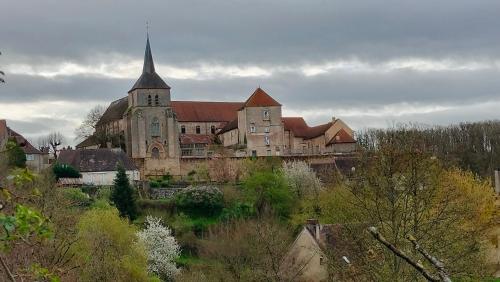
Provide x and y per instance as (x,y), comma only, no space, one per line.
(149,66)
(149,78)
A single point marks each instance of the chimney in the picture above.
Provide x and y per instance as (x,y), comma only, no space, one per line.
(497,181)
(313,226)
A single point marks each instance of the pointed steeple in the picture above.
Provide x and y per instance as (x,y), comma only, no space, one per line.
(149,78)
(149,66)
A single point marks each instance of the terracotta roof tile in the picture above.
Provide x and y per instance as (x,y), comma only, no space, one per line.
(197,111)
(196,139)
(341,137)
(299,127)
(260,98)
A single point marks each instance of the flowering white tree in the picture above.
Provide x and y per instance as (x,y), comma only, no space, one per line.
(301,178)
(161,247)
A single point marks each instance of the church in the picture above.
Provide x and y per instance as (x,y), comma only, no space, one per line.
(158,133)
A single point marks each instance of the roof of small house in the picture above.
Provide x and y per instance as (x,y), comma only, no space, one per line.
(196,139)
(260,98)
(96,160)
(22,142)
(299,127)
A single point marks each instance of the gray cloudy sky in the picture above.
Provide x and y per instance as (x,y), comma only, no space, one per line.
(371,63)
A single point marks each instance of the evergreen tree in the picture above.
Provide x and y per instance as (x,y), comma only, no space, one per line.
(123,195)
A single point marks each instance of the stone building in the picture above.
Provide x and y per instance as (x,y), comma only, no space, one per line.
(36,159)
(158,133)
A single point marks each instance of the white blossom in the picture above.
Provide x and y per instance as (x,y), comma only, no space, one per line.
(301,178)
(161,247)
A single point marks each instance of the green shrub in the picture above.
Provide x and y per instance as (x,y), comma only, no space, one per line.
(65,171)
(200,200)
(165,183)
(163,205)
(154,184)
(268,190)
(77,197)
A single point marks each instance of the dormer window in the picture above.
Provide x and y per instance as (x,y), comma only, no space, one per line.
(149,100)
(157,100)
(265,114)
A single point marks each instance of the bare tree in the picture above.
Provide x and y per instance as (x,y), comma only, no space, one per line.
(88,126)
(53,141)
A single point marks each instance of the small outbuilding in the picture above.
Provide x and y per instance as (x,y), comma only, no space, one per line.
(98,166)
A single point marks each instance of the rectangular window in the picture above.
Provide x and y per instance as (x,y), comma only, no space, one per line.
(253,129)
(30,157)
(266,129)
(269,152)
(254,153)
(183,129)
(266,114)
(267,140)
(198,129)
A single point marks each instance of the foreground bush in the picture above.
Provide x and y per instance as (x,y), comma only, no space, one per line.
(200,200)
(109,249)
(301,179)
(65,171)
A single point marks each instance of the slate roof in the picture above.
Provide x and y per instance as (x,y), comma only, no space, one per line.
(299,127)
(260,98)
(149,79)
(229,126)
(95,160)
(114,111)
(89,141)
(198,111)
(196,139)
(22,142)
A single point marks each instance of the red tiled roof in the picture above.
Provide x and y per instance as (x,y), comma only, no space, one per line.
(206,111)
(299,127)
(341,137)
(260,98)
(196,139)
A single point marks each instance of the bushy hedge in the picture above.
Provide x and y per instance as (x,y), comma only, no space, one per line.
(65,171)
(200,200)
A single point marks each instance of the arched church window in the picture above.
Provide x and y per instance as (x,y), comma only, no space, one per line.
(149,100)
(157,100)
(155,153)
(155,127)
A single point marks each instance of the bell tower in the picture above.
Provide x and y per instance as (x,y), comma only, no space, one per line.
(152,125)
